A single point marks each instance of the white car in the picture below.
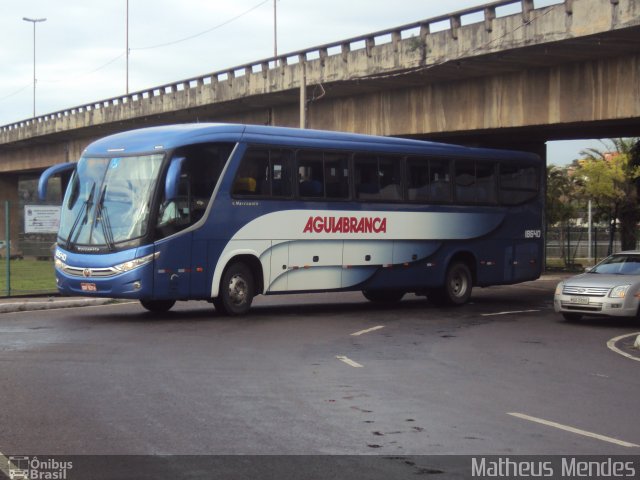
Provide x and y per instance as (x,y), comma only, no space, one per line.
(611,288)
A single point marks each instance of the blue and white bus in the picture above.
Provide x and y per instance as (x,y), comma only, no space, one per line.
(226,212)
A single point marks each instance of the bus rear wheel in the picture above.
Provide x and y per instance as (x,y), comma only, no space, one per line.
(237,289)
(158,306)
(383,296)
(457,286)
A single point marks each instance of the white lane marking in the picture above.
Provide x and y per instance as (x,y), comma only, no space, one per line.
(508,313)
(368,330)
(612,346)
(348,361)
(577,431)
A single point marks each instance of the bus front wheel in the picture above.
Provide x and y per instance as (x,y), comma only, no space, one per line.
(236,290)
(457,287)
(158,306)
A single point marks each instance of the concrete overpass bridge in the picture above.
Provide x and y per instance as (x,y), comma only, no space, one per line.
(570,70)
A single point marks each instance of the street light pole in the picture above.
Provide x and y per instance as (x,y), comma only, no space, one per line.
(275,29)
(34,21)
(127,49)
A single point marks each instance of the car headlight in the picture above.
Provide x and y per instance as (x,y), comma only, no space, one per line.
(136,262)
(559,288)
(619,292)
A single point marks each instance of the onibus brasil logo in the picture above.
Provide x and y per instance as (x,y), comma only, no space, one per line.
(32,468)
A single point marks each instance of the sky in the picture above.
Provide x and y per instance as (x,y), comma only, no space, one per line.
(80,48)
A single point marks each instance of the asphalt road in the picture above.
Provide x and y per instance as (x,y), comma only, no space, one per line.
(116,380)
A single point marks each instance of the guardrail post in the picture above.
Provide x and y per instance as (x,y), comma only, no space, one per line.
(455,23)
(489,17)
(527,8)
(7,246)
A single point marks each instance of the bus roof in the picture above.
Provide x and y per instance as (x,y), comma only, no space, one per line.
(163,138)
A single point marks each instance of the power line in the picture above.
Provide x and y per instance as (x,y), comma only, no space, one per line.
(226,22)
(16,92)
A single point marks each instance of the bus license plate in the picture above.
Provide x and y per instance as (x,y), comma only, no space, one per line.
(580,300)
(88,287)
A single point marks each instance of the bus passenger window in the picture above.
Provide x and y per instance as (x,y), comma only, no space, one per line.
(310,174)
(518,183)
(366,178)
(465,181)
(390,178)
(252,176)
(336,174)
(439,181)
(281,168)
(418,179)
(486,182)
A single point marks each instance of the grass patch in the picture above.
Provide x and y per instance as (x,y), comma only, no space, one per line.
(28,276)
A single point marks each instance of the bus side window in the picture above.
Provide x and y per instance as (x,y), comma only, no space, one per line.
(465,181)
(486,182)
(389,173)
(310,174)
(336,174)
(252,178)
(366,177)
(439,180)
(281,170)
(518,183)
(418,179)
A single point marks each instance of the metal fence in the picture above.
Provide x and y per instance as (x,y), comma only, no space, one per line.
(26,250)
(571,245)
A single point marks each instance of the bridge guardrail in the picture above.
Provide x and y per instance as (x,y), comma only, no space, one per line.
(393,35)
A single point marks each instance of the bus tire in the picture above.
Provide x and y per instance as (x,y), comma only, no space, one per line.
(158,306)
(457,286)
(237,289)
(387,297)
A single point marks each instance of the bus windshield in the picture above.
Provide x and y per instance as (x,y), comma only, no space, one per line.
(108,200)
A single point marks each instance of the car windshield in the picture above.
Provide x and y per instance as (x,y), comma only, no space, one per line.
(620,264)
(108,200)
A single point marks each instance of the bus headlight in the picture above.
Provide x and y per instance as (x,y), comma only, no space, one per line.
(59,264)
(619,292)
(136,262)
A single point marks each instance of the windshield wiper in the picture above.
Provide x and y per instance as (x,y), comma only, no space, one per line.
(86,206)
(103,218)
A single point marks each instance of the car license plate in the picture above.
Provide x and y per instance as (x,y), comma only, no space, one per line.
(88,287)
(580,300)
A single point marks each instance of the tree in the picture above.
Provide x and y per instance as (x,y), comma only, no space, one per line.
(611,179)
(561,203)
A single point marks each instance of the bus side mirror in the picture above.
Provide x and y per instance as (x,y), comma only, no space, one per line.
(58,169)
(172,182)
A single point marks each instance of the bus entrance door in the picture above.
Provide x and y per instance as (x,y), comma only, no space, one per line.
(173,268)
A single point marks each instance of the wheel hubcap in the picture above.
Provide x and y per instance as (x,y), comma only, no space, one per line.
(458,285)
(238,290)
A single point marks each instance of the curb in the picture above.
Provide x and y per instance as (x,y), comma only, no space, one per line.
(51,304)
